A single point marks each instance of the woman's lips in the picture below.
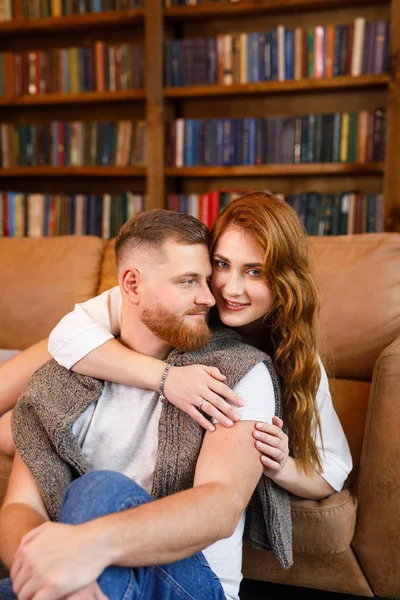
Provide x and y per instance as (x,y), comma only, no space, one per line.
(234,306)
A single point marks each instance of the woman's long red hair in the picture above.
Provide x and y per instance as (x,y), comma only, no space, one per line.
(291,323)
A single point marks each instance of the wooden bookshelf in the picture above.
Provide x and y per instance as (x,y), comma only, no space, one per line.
(277,170)
(159,104)
(84,171)
(283,87)
(87,22)
(208,10)
(80,98)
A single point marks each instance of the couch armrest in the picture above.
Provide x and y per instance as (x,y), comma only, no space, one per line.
(376,540)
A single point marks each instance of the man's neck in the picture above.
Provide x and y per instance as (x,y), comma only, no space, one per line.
(136,336)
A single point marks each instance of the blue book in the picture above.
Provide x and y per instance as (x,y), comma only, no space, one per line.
(252,141)
(220,141)
(289,53)
(11,213)
(227,143)
(274,54)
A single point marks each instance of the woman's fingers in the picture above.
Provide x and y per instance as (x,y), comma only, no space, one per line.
(200,419)
(224,391)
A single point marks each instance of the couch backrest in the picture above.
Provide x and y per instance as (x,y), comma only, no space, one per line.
(41,280)
(359,280)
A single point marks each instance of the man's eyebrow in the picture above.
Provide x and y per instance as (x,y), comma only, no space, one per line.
(247,265)
(186,275)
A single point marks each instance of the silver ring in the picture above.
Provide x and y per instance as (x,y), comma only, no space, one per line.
(201,403)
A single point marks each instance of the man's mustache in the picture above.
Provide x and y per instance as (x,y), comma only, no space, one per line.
(197,311)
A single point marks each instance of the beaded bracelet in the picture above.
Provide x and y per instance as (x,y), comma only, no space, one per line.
(161,396)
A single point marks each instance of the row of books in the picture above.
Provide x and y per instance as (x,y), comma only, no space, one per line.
(339,214)
(99,67)
(6,10)
(42,9)
(36,215)
(339,137)
(121,143)
(321,214)
(195,2)
(280,54)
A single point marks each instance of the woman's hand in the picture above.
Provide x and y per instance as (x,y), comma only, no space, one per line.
(198,389)
(273,445)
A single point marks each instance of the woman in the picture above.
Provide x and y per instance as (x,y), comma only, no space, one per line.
(264,289)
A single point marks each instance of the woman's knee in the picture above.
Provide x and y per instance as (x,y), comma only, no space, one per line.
(98,493)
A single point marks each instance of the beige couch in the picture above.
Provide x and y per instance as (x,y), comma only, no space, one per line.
(349,542)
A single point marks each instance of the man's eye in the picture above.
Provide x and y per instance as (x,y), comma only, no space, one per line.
(188,282)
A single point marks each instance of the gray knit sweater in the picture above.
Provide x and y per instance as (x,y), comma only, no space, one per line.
(54,398)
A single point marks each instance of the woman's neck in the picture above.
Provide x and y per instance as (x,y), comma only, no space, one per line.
(257,334)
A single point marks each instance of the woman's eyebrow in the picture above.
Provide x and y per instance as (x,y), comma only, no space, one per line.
(221,257)
(246,265)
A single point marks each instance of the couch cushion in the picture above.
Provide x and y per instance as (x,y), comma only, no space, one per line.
(359,280)
(350,399)
(324,526)
(108,269)
(42,279)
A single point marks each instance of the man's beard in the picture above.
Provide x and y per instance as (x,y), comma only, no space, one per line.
(174,330)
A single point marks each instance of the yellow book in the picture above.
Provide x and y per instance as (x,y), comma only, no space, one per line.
(73,70)
(344,137)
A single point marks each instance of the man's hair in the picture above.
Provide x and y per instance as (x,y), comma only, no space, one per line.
(153,228)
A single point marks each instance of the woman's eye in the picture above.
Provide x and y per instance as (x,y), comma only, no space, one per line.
(221,264)
(255,272)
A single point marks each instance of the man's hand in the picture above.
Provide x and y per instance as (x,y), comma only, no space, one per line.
(90,592)
(55,560)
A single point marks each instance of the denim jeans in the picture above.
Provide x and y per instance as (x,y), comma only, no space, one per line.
(100,493)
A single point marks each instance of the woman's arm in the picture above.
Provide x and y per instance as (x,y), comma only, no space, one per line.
(16,371)
(334,452)
(84,342)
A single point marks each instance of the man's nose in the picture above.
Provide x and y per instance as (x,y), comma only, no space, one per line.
(205,297)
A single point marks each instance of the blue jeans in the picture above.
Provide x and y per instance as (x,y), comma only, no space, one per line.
(100,493)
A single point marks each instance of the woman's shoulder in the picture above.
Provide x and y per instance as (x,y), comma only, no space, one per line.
(323,387)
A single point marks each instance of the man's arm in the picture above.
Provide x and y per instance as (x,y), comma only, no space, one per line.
(158,532)
(177,526)
(23,510)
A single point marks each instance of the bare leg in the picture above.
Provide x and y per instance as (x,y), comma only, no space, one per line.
(14,374)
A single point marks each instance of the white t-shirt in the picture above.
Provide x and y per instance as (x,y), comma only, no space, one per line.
(119,432)
(94,322)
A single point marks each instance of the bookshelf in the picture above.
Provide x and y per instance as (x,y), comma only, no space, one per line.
(159,104)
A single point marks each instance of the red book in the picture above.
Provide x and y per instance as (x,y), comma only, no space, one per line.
(213,207)
(6,216)
(204,209)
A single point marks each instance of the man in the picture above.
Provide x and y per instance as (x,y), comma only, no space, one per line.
(112,537)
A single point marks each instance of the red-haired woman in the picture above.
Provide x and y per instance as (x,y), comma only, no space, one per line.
(264,289)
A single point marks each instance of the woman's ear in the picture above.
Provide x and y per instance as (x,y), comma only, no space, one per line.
(130,282)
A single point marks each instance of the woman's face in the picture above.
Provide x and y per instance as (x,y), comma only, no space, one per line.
(238,281)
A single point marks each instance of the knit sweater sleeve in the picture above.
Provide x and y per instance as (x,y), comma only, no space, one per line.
(41,427)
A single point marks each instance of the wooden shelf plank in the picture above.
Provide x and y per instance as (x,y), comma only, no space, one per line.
(277,170)
(73,171)
(78,98)
(88,21)
(226,9)
(265,87)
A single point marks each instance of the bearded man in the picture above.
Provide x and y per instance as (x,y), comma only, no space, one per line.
(116,493)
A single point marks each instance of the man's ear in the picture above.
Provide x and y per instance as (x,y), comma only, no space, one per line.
(130,282)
